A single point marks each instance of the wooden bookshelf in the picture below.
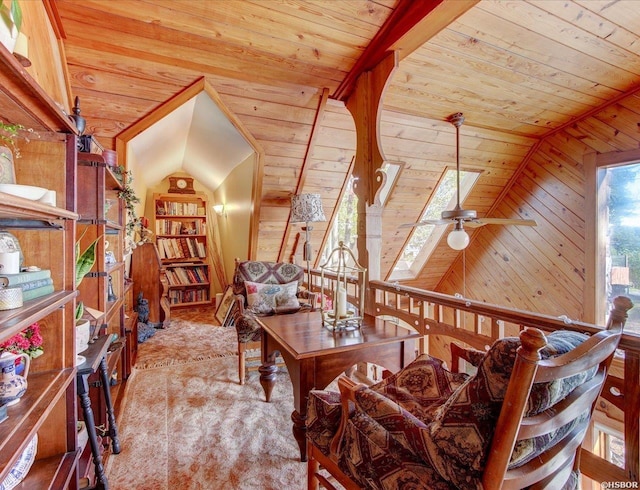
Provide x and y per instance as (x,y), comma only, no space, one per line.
(180,226)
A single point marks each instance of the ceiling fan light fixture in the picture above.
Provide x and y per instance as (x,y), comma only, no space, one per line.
(458,238)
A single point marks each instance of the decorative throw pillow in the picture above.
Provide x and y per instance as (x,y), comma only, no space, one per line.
(264,299)
(421,386)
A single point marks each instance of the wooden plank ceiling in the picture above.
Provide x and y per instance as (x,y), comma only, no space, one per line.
(522,72)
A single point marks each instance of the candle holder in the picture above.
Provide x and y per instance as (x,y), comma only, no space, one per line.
(339,275)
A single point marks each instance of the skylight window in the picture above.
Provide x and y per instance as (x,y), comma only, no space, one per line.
(423,239)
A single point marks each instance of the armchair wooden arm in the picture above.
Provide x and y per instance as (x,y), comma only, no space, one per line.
(347,387)
(468,354)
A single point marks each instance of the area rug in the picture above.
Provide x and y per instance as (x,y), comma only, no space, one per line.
(184,341)
(192,426)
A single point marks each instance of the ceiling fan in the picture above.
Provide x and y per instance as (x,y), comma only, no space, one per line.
(458,238)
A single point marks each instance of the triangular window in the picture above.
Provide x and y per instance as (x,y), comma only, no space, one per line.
(424,239)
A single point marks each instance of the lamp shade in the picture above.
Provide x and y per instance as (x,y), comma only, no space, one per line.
(306,208)
(458,239)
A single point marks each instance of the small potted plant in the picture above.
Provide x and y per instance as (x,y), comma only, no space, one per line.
(9,134)
(28,342)
(84,263)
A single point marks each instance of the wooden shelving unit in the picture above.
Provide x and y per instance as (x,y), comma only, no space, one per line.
(102,216)
(46,235)
(180,225)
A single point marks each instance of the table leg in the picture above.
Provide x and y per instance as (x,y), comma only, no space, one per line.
(106,387)
(300,433)
(85,402)
(268,372)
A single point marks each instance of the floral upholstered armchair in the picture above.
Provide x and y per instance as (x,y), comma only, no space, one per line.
(264,288)
(518,421)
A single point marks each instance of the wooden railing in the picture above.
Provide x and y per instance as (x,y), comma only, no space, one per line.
(478,324)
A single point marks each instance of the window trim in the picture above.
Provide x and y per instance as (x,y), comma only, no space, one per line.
(595,261)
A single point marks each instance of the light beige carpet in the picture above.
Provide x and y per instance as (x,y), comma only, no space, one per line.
(184,342)
(190,425)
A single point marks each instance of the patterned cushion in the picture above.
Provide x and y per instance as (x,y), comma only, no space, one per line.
(265,299)
(265,272)
(459,438)
(375,459)
(323,417)
(421,386)
(526,450)
(261,272)
(247,328)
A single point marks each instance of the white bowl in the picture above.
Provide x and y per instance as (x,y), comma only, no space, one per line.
(25,191)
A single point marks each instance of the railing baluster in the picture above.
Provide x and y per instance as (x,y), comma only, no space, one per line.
(632,414)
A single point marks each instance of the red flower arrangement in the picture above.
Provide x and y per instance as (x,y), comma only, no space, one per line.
(28,341)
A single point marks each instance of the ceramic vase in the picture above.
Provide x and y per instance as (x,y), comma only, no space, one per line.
(12,385)
(8,35)
(7,170)
(83,334)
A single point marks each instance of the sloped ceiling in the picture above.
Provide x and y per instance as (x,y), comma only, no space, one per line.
(196,138)
(521,71)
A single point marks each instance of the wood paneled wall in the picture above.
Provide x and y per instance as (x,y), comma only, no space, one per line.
(543,268)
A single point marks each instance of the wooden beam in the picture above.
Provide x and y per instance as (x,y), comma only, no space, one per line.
(411,24)
(322,104)
(365,105)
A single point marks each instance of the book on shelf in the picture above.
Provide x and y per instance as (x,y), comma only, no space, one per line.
(180,248)
(22,277)
(37,292)
(169,208)
(188,296)
(38,283)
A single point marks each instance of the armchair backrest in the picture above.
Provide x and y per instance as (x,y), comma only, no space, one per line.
(553,434)
(266,273)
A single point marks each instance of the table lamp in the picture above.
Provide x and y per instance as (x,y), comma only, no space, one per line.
(307,208)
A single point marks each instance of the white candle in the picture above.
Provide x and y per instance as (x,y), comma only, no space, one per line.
(341,301)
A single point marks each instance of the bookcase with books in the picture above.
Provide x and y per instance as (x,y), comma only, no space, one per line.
(102,217)
(44,418)
(181,239)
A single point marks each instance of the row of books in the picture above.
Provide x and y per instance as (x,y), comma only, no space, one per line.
(188,296)
(175,227)
(179,208)
(34,284)
(180,248)
(186,275)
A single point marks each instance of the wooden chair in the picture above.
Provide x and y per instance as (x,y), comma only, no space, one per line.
(563,423)
(264,272)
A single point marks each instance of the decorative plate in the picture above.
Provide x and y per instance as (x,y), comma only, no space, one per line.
(22,466)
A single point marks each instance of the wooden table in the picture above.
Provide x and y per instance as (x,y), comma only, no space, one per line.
(315,356)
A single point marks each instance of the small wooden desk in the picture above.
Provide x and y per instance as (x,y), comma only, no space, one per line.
(315,356)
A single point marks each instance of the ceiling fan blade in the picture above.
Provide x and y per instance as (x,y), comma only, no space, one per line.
(500,221)
(427,222)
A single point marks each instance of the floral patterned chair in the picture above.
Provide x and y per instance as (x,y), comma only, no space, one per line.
(517,422)
(264,288)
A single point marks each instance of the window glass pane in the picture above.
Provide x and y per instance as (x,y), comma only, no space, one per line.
(345,225)
(622,216)
(424,238)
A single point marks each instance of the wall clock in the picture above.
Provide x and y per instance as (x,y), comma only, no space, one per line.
(181,185)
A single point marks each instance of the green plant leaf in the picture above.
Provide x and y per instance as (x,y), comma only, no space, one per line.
(16,14)
(85,260)
(79,310)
